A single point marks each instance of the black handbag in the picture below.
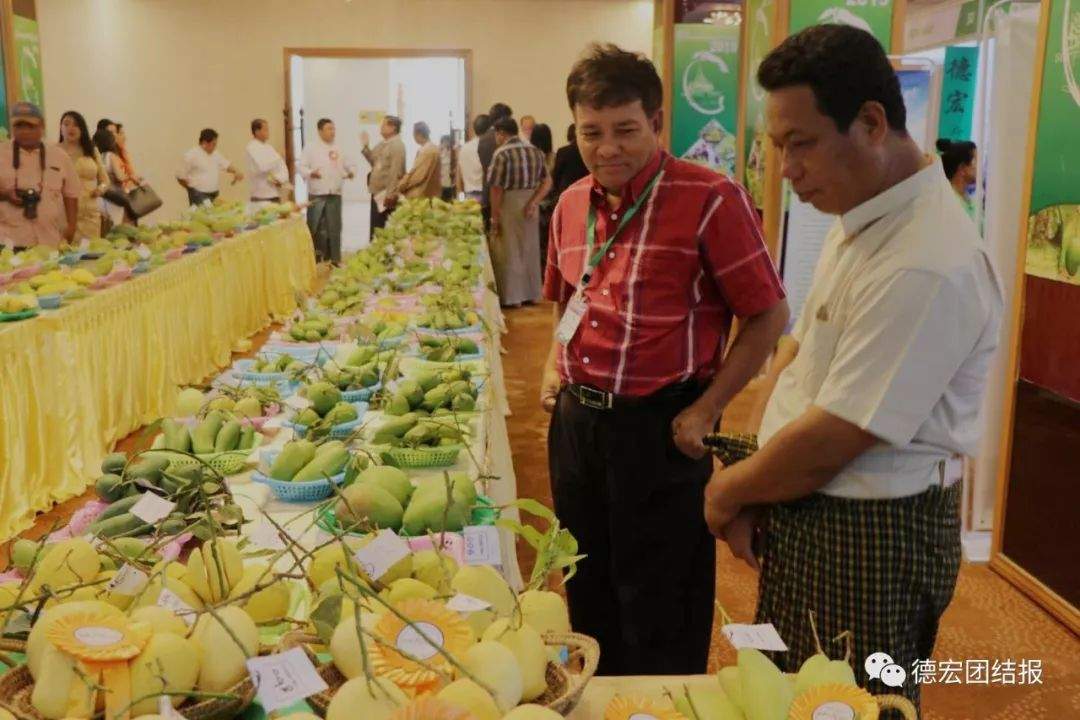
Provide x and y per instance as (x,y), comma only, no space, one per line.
(140,202)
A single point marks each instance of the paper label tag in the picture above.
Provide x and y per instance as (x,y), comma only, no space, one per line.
(382,553)
(171,601)
(761,637)
(298,403)
(128,580)
(96,636)
(273,423)
(143,252)
(15,261)
(467,603)
(264,535)
(482,545)
(284,678)
(422,641)
(571,319)
(151,508)
(84,244)
(19,623)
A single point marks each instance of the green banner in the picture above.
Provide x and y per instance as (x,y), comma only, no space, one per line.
(1054,225)
(28,60)
(5,123)
(705,89)
(760,17)
(958,92)
(874,16)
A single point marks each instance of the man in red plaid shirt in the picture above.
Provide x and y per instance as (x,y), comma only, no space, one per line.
(650,257)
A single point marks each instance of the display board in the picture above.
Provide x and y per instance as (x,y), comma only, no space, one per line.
(959,78)
(705,95)
(28,59)
(918,85)
(758,24)
(874,16)
(1034,531)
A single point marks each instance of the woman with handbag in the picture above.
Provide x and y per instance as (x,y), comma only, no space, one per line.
(120,182)
(75,139)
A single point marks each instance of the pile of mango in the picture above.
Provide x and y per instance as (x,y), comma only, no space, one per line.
(446,349)
(215,433)
(279,363)
(327,408)
(312,328)
(433,393)
(304,461)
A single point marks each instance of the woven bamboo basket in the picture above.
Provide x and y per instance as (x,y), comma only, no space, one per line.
(565,683)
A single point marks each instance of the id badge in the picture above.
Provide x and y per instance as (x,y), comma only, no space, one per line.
(571,319)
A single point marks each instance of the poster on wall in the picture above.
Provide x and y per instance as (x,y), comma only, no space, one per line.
(28,59)
(916,85)
(958,92)
(759,19)
(5,127)
(1053,250)
(705,103)
(873,16)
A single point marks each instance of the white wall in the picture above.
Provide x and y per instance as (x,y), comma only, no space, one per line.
(166,68)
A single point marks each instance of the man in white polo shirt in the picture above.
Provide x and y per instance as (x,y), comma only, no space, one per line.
(325,168)
(854,515)
(269,174)
(202,166)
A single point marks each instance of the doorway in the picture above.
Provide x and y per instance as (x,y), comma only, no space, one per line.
(356,89)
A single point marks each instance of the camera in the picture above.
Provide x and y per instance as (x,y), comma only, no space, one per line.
(30,199)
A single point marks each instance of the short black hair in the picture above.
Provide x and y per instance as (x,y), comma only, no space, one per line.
(104,123)
(207,135)
(571,133)
(607,76)
(421,128)
(499,110)
(844,66)
(395,121)
(256,125)
(105,141)
(541,138)
(480,124)
(507,125)
(323,122)
(955,154)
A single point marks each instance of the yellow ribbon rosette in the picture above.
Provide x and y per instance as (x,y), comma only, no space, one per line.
(834,702)
(102,645)
(639,708)
(430,621)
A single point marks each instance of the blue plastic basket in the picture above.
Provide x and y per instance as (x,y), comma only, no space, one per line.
(361,395)
(71,258)
(262,378)
(308,353)
(49,302)
(311,491)
(337,431)
(392,342)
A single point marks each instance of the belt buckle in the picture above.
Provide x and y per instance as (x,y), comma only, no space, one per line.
(594,399)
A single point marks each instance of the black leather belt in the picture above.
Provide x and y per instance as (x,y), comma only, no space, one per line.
(320,197)
(273,199)
(595,399)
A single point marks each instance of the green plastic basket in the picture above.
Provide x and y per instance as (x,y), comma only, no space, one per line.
(422,457)
(226,463)
(485,513)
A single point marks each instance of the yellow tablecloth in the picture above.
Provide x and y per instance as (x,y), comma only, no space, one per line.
(76,380)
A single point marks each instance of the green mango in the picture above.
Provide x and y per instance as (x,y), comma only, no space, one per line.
(370,504)
(307,417)
(342,413)
(323,397)
(114,463)
(397,405)
(392,479)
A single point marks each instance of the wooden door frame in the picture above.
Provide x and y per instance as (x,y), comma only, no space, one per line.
(347,53)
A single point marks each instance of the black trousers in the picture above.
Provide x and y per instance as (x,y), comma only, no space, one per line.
(196,197)
(378,219)
(635,505)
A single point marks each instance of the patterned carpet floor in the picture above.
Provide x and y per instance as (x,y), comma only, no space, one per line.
(988,619)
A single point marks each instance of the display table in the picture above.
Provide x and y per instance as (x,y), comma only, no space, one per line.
(600,690)
(75,380)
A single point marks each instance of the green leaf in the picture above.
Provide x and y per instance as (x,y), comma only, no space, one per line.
(325,617)
(534,507)
(531,534)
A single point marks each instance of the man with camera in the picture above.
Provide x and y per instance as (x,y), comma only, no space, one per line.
(39,188)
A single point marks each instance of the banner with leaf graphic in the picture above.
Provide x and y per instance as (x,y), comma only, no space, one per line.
(873,16)
(1054,222)
(759,19)
(705,95)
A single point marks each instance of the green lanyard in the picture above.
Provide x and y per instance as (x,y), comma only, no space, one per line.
(590,229)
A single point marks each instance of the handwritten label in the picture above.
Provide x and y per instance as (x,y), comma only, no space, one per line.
(150,508)
(264,535)
(128,580)
(171,601)
(421,641)
(467,604)
(96,636)
(284,678)
(762,637)
(143,252)
(482,545)
(382,553)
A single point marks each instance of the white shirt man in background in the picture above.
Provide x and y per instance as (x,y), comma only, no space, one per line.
(470,176)
(202,167)
(325,168)
(269,174)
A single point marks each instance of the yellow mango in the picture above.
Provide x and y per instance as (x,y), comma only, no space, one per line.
(214,569)
(529,650)
(70,562)
(345,643)
(168,663)
(467,695)
(37,642)
(221,660)
(55,689)
(270,603)
(162,620)
(377,699)
(495,666)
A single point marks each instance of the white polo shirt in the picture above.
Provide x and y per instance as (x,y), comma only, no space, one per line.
(472,172)
(202,170)
(265,168)
(896,336)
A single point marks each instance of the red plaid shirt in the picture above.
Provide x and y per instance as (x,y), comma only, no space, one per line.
(661,301)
